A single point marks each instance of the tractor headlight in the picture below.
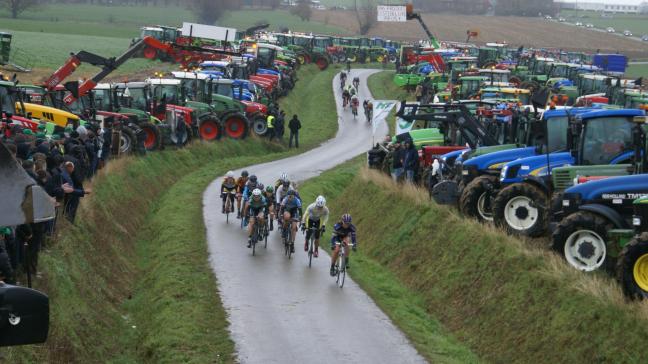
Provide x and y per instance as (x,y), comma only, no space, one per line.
(464,172)
(565,203)
(636,221)
(503,173)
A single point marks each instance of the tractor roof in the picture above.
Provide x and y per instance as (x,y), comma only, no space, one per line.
(189,75)
(163,81)
(612,113)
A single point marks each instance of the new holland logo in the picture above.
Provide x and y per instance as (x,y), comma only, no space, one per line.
(624,196)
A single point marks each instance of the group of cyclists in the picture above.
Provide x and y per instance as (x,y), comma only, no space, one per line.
(259,204)
(350,96)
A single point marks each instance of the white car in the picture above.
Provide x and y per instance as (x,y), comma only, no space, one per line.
(548,17)
(561,19)
(627,33)
(589,25)
(610,30)
(579,24)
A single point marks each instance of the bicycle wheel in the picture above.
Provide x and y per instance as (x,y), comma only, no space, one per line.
(341,269)
(255,237)
(265,233)
(311,242)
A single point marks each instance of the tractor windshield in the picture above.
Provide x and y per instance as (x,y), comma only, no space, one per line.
(193,89)
(606,139)
(167,92)
(223,89)
(134,97)
(561,70)
(557,133)
(102,99)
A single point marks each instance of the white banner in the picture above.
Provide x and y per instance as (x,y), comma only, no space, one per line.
(208,31)
(392,13)
(381,109)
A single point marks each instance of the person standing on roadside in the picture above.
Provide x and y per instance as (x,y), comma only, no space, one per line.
(410,160)
(294,125)
(271,127)
(397,162)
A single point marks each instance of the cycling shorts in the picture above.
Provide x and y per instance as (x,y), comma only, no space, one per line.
(315,224)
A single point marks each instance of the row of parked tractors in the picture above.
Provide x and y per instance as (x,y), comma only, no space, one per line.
(576,174)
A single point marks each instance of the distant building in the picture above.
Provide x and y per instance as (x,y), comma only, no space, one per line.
(627,7)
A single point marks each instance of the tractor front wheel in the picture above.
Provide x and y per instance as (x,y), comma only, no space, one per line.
(153,139)
(236,126)
(475,199)
(210,130)
(581,239)
(521,209)
(632,268)
(322,63)
(259,125)
(127,141)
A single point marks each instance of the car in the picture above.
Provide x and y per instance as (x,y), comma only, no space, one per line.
(627,33)
(548,17)
(644,37)
(589,25)
(579,24)
(561,19)
(610,30)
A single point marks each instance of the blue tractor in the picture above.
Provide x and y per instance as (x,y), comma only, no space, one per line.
(600,143)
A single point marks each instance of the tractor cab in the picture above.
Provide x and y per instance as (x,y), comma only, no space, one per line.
(592,84)
(469,87)
(161,33)
(495,76)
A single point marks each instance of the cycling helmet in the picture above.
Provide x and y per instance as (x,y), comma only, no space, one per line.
(253,178)
(284,177)
(320,201)
(269,189)
(230,174)
(244,173)
(346,218)
(260,186)
(256,192)
(290,193)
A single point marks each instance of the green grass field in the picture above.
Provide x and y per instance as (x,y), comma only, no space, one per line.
(637,70)
(637,24)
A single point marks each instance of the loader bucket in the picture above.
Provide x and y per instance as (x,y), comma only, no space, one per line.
(23,201)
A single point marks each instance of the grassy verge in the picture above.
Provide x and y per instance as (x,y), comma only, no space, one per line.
(406,308)
(130,282)
(507,301)
(382,87)
(637,70)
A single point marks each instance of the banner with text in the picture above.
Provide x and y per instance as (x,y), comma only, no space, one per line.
(381,109)
(392,13)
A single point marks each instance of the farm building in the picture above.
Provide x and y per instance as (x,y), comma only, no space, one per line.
(498,7)
(625,6)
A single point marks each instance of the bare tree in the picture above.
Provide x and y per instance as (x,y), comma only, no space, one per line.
(18,6)
(302,10)
(365,15)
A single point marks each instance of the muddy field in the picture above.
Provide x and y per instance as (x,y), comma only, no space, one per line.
(514,30)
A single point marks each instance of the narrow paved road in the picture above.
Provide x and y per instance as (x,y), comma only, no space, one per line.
(280,310)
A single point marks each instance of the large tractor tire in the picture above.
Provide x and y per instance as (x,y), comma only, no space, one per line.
(236,126)
(632,268)
(153,140)
(322,63)
(393,58)
(307,58)
(149,53)
(475,199)
(342,57)
(127,141)
(334,58)
(259,125)
(581,239)
(521,209)
(210,129)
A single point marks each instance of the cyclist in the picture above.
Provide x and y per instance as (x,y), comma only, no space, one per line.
(346,97)
(240,186)
(368,110)
(355,103)
(283,189)
(344,233)
(316,216)
(257,209)
(228,189)
(291,209)
(269,195)
(356,82)
(343,77)
(247,191)
(279,182)
(348,62)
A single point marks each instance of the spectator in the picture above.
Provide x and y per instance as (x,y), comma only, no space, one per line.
(73,189)
(294,125)
(419,92)
(270,120)
(397,162)
(280,125)
(410,160)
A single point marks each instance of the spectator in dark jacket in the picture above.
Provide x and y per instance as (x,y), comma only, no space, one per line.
(397,162)
(294,125)
(410,160)
(73,188)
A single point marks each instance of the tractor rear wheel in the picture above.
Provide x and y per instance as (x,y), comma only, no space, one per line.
(392,58)
(259,125)
(632,268)
(153,139)
(128,140)
(475,199)
(581,239)
(322,63)
(521,209)
(342,57)
(236,126)
(334,59)
(150,53)
(210,129)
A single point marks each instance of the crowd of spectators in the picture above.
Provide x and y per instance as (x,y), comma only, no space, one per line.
(60,164)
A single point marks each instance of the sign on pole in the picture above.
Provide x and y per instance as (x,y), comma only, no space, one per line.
(392,13)
(208,31)
(381,109)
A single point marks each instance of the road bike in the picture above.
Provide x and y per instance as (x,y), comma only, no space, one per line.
(229,204)
(312,231)
(354,107)
(369,115)
(259,232)
(341,265)
(286,235)
(356,85)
